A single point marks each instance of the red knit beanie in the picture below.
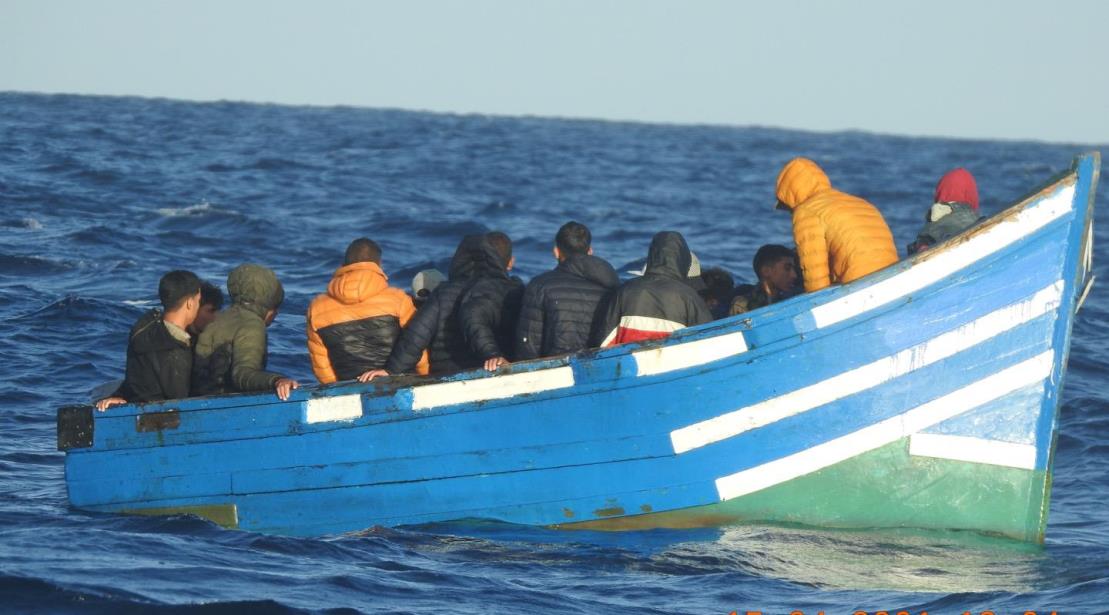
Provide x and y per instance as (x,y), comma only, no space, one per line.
(957,186)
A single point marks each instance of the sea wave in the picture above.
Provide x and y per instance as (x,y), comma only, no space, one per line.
(87,231)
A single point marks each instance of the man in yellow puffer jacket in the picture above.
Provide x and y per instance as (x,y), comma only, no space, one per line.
(840,238)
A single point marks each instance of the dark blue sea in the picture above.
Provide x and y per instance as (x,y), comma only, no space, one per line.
(100,196)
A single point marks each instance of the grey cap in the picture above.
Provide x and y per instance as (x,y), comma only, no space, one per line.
(426,280)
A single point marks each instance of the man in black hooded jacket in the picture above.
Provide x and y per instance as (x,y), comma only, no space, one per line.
(436,326)
(490,308)
(563,306)
(658,303)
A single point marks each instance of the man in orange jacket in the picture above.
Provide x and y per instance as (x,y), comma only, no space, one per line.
(353,326)
(840,238)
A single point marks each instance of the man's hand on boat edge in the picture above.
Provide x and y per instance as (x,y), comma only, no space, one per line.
(494,363)
(108,402)
(370,375)
(284,386)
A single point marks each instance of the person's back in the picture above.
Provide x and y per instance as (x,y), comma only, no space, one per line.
(490,308)
(436,327)
(353,326)
(159,348)
(840,238)
(562,307)
(231,353)
(954,209)
(658,303)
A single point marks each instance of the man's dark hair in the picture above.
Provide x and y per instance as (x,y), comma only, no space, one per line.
(502,244)
(177,286)
(210,294)
(770,254)
(573,238)
(362,250)
(718,283)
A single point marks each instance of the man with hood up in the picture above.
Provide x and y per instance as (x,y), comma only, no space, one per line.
(353,326)
(840,238)
(562,306)
(490,308)
(231,352)
(658,303)
(436,327)
(954,209)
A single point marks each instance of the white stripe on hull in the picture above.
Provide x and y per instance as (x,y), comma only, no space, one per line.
(866,376)
(889,430)
(680,356)
(974,450)
(485,389)
(341,408)
(946,262)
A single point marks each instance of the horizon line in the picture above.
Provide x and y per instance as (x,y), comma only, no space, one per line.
(564,118)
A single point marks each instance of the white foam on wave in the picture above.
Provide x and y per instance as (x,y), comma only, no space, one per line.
(198,209)
(31,223)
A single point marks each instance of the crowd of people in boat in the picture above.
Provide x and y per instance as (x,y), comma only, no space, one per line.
(479,315)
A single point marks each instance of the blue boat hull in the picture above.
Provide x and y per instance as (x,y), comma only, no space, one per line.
(924,395)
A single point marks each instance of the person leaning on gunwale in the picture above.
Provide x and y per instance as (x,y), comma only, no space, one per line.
(840,238)
(231,352)
(159,352)
(353,326)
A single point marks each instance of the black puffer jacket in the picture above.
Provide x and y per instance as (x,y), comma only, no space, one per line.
(658,303)
(436,326)
(488,315)
(159,365)
(562,307)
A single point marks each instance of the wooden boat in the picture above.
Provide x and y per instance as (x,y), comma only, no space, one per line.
(924,395)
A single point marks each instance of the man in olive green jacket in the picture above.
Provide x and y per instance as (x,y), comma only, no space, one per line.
(231,352)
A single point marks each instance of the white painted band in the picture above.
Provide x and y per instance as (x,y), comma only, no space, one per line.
(947,261)
(680,356)
(341,408)
(890,430)
(974,450)
(867,376)
(493,387)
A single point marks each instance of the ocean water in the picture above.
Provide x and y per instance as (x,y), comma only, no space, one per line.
(100,196)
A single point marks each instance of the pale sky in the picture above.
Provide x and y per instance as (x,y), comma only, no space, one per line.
(1020,69)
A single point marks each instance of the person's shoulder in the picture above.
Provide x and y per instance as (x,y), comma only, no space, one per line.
(249,327)
(234,319)
(640,284)
(321,300)
(494,285)
(546,278)
(145,320)
(396,296)
(150,334)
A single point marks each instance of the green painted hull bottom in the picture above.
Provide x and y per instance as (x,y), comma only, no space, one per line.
(884,488)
